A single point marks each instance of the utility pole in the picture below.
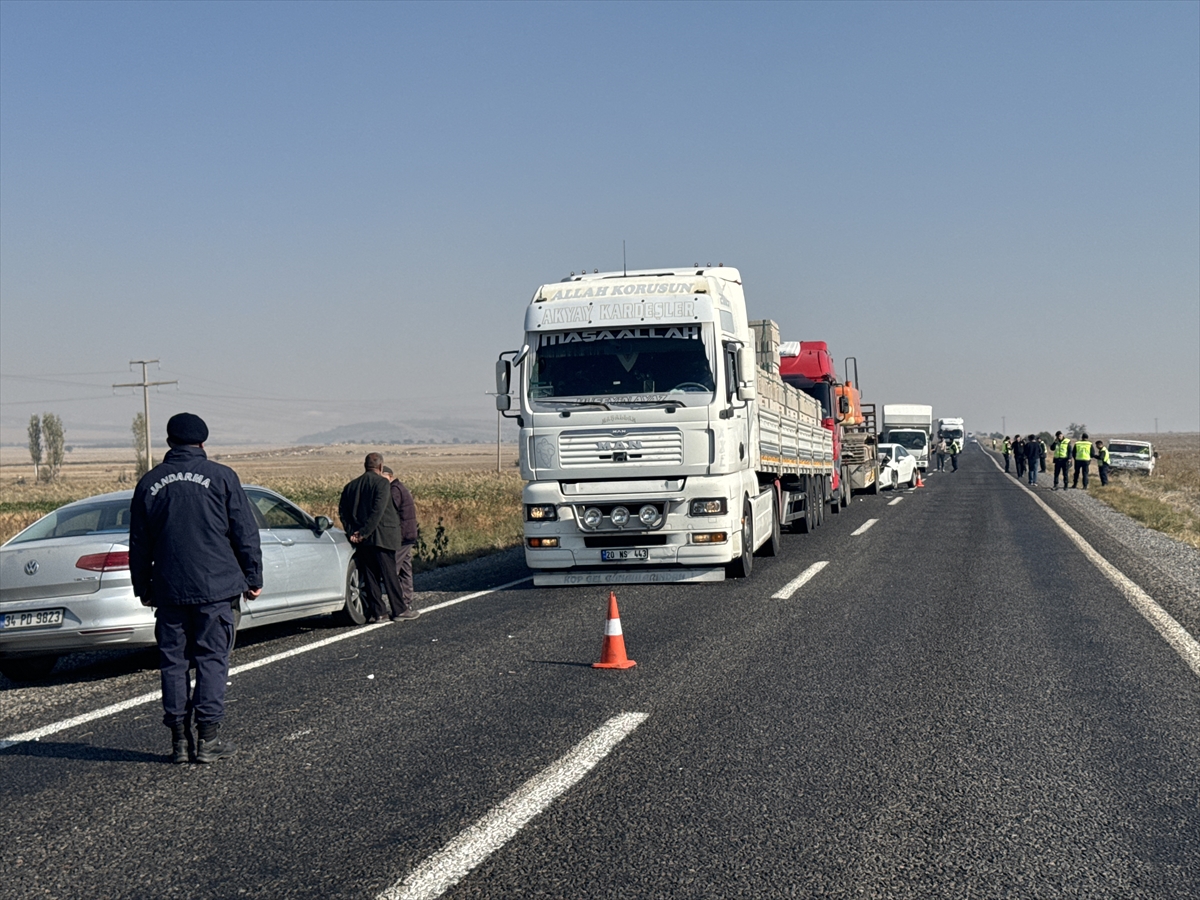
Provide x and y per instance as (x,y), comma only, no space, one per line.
(145,386)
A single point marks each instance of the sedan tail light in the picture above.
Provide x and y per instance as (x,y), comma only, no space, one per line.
(111,561)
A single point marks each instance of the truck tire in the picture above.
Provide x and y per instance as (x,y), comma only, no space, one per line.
(805,524)
(774,544)
(839,499)
(741,567)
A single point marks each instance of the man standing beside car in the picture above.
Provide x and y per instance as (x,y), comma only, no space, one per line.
(406,507)
(370,520)
(193,554)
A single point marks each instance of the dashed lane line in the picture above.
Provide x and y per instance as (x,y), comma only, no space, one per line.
(863,527)
(452,863)
(894,502)
(1170,630)
(38,733)
(785,592)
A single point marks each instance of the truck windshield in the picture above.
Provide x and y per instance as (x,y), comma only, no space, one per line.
(632,365)
(909,440)
(951,434)
(823,394)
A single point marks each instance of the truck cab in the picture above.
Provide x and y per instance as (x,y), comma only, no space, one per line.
(643,444)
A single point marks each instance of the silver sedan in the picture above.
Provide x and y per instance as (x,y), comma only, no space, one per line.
(65,587)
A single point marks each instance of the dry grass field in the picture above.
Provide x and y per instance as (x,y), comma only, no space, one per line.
(455,485)
(1168,501)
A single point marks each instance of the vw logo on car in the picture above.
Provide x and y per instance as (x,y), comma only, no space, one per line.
(31,567)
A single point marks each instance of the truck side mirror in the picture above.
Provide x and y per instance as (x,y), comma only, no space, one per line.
(746,367)
(503,377)
(843,405)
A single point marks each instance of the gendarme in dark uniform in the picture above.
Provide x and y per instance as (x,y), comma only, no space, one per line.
(193,552)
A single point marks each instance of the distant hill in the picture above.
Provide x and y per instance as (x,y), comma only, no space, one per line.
(415,431)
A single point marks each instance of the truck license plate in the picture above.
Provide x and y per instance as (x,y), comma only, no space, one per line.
(618,555)
(34,618)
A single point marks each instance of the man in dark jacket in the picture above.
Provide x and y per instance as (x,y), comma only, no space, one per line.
(371,522)
(402,499)
(193,553)
(1033,456)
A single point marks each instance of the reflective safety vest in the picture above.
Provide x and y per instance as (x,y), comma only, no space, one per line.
(1083,450)
(1104,457)
(1007,448)
(1060,448)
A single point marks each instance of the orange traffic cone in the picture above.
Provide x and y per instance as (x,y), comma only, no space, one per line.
(920,481)
(612,656)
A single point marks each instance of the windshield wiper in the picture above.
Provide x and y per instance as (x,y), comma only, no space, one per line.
(651,403)
(577,404)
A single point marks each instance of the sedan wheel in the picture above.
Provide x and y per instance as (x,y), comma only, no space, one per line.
(353,613)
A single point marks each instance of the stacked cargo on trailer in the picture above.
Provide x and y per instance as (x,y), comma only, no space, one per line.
(808,366)
(656,444)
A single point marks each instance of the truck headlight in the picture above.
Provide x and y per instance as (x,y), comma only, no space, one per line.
(648,515)
(592,517)
(541,512)
(713,507)
(619,516)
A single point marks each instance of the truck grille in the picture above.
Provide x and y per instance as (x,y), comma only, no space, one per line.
(635,447)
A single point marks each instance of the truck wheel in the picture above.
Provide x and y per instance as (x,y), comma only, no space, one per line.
(805,523)
(353,613)
(740,567)
(774,543)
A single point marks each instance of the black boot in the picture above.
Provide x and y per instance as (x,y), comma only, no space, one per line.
(212,746)
(183,743)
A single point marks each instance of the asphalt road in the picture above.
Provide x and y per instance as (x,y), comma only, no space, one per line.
(959,704)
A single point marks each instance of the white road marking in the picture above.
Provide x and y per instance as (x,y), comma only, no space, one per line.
(894,502)
(499,825)
(38,733)
(446,603)
(1172,632)
(863,527)
(799,581)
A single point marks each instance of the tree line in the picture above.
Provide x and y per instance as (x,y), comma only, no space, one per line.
(47,445)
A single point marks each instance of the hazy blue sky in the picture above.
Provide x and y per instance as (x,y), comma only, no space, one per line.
(321,214)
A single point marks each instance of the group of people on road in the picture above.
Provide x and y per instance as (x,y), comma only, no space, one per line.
(195,552)
(1030,454)
(379,516)
(944,448)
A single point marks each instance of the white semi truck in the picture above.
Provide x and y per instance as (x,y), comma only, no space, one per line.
(953,430)
(658,442)
(910,425)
